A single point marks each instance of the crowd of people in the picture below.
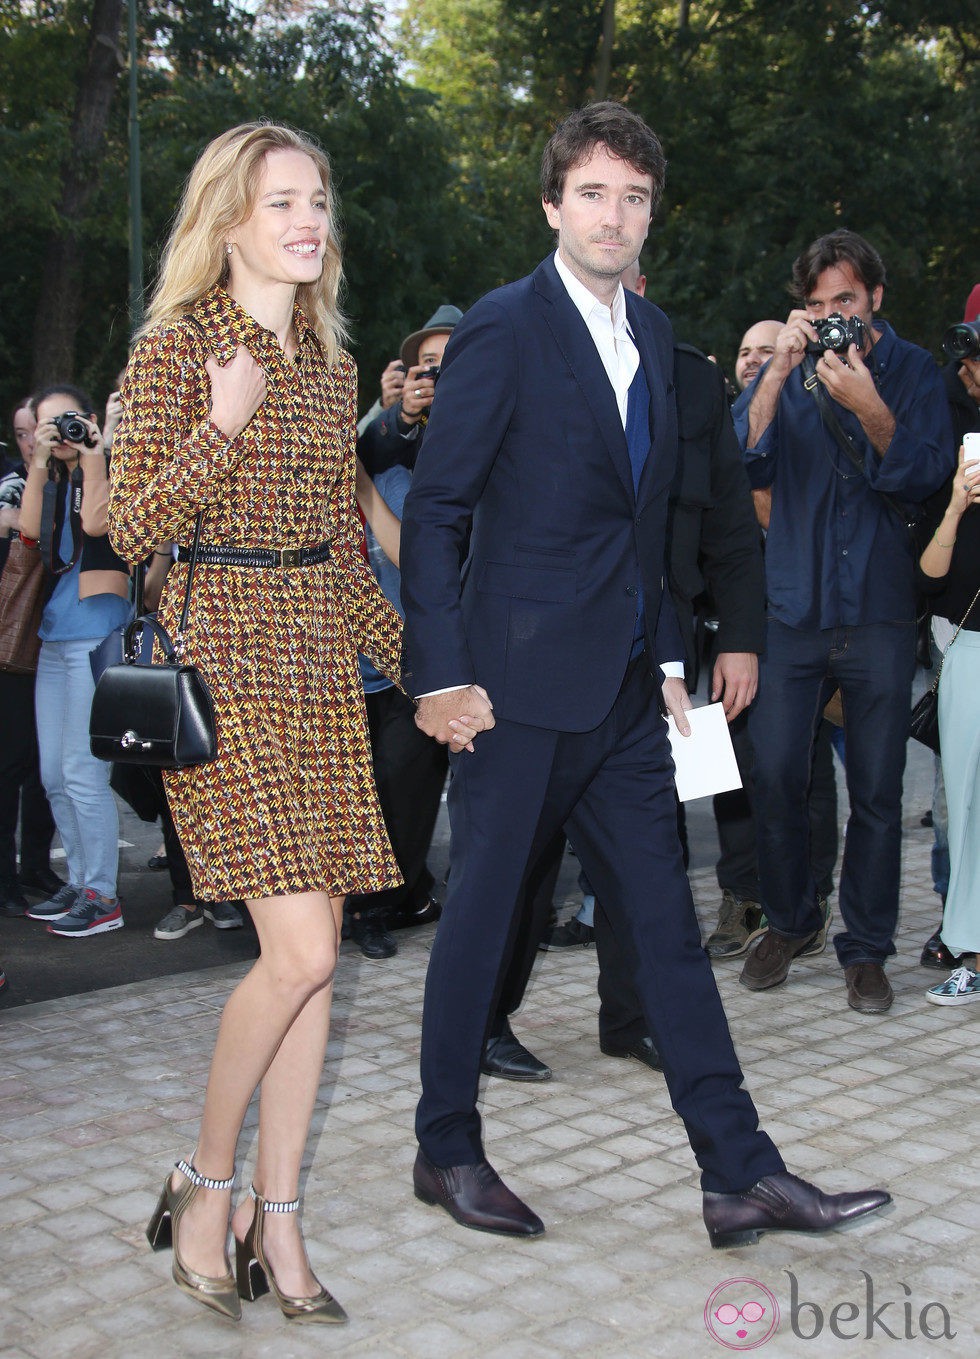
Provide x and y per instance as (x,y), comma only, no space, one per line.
(498,575)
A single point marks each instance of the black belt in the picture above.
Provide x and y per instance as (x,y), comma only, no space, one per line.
(215,554)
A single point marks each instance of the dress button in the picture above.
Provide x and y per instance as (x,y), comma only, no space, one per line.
(631,590)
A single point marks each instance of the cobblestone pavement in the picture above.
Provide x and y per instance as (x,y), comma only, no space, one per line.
(99,1093)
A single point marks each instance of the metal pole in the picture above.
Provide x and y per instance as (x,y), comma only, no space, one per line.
(135,199)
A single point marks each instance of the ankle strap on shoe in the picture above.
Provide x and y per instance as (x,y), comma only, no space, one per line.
(268,1207)
(202,1181)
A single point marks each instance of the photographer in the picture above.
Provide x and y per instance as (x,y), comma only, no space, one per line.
(64,515)
(845,421)
(393,437)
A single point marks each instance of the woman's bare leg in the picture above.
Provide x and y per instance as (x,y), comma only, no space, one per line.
(289,1091)
(299,939)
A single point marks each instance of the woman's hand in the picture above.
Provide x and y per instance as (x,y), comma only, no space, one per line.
(48,443)
(966,486)
(237,391)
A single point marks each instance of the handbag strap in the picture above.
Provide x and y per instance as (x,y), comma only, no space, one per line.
(935,683)
(829,417)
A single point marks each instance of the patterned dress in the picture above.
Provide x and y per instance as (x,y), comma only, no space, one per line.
(290,804)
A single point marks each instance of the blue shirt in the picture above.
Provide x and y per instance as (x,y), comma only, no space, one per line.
(836,554)
(67,618)
(393,486)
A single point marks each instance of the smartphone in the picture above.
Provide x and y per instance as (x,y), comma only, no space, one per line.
(971,448)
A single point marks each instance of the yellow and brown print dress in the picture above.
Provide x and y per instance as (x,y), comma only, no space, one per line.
(290,804)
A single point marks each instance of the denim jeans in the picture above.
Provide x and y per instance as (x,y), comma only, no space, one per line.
(873,666)
(77,784)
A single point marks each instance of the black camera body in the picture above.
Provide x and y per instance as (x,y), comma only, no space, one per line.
(432,373)
(72,429)
(838,333)
(963,341)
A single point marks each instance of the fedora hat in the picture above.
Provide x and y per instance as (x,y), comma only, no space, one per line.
(441,322)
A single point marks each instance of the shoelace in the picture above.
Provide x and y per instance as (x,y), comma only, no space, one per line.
(961,980)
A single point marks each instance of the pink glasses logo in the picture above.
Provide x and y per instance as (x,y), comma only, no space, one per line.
(741,1314)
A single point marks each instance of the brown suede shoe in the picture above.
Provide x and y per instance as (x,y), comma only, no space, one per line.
(868,989)
(768,963)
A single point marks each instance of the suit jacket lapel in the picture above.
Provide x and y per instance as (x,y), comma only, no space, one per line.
(576,345)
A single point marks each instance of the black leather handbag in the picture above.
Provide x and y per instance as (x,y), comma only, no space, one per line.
(158,714)
(924,721)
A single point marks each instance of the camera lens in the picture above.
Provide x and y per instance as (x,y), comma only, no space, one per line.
(963,341)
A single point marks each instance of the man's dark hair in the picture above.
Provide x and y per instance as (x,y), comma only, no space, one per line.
(838,247)
(83,402)
(622,133)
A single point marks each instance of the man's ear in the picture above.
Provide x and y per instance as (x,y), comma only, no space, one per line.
(876,297)
(552,213)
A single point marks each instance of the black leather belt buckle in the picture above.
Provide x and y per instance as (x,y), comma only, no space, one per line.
(287,556)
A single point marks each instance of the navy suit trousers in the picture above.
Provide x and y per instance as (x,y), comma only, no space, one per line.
(613,789)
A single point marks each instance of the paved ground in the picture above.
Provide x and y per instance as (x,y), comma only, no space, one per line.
(100,1092)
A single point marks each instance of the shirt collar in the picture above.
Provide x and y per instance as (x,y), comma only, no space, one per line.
(587,303)
(228,325)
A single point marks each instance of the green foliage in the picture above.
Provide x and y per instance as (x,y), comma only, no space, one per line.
(781,119)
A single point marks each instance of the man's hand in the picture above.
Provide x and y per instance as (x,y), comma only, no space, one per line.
(851,385)
(791,342)
(455,718)
(677,702)
(392,382)
(417,394)
(736,676)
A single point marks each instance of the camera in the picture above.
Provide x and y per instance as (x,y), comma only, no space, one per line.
(837,332)
(963,341)
(72,429)
(432,373)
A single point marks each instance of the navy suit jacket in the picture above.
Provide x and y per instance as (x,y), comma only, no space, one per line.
(523,542)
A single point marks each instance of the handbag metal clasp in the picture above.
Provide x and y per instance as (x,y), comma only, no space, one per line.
(129,739)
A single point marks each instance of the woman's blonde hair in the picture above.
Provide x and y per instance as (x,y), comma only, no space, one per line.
(219,195)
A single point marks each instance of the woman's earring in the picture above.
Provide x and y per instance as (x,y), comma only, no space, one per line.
(229,248)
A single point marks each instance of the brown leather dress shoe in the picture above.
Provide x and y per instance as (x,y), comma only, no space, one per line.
(868,989)
(475,1196)
(768,963)
(783,1203)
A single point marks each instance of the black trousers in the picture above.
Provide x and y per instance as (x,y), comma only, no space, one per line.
(21,794)
(410,774)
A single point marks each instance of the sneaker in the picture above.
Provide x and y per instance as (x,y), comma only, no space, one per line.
(740,921)
(959,988)
(178,922)
(573,934)
(91,914)
(59,905)
(224,915)
(820,939)
(369,934)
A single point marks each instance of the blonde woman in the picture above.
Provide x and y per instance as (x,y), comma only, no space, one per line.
(240,401)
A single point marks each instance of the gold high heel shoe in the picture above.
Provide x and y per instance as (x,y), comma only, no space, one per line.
(220,1294)
(255,1277)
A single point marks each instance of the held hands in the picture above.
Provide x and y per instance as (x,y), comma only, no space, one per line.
(237,391)
(736,676)
(455,718)
(417,394)
(677,702)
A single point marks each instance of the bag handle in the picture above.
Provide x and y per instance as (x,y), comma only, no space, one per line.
(935,683)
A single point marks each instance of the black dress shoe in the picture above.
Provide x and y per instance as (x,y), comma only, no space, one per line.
(41,879)
(426,914)
(12,900)
(643,1049)
(783,1203)
(475,1196)
(936,954)
(369,934)
(504,1056)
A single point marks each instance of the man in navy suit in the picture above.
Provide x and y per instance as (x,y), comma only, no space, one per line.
(533,549)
